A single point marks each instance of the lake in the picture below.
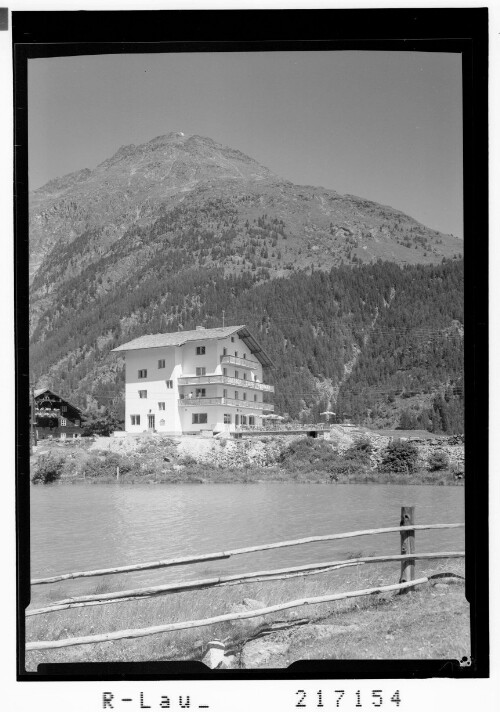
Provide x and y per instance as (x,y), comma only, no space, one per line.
(82,526)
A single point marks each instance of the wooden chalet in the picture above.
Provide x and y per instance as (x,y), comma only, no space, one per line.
(56,417)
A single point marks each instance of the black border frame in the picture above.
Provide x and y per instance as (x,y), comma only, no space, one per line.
(70,33)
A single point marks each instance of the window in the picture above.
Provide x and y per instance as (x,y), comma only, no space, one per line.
(244,376)
(199,418)
(244,355)
(255,397)
(170,384)
(244,395)
(200,350)
(224,371)
(227,418)
(142,373)
(224,351)
(161,406)
(201,392)
(63,422)
(143,394)
(64,408)
(236,374)
(161,363)
(236,395)
(232,339)
(224,393)
(135,419)
(201,371)
(243,419)
(236,354)
(251,420)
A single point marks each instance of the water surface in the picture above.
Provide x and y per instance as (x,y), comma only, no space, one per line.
(84,526)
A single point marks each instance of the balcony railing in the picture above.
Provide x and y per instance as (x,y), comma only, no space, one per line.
(225,401)
(236,361)
(227,380)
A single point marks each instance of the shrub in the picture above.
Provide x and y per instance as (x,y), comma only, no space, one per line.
(299,449)
(308,454)
(399,456)
(341,466)
(48,469)
(438,461)
(360,451)
(104,465)
(187,460)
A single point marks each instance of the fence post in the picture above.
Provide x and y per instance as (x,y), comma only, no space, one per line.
(407,547)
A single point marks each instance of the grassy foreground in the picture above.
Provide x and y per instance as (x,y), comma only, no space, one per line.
(432,622)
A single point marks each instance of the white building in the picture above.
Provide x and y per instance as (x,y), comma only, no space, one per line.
(188,381)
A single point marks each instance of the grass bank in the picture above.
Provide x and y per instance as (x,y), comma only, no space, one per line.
(205,474)
(432,622)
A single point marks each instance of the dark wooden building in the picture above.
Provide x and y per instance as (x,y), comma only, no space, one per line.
(56,417)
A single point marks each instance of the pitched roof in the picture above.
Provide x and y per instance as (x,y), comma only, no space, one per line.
(38,392)
(179,338)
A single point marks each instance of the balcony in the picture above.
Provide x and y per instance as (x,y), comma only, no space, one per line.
(197,402)
(236,361)
(225,380)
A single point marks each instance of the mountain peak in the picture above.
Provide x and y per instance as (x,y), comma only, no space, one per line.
(171,137)
(137,186)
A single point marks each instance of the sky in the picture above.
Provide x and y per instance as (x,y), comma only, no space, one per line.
(386,126)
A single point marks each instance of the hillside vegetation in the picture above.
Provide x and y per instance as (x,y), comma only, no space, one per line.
(381,343)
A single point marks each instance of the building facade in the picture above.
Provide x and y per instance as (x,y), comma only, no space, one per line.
(191,381)
(55,417)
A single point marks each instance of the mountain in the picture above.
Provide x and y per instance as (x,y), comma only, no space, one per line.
(129,188)
(180,228)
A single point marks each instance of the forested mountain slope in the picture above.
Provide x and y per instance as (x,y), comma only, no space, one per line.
(381,343)
(180,201)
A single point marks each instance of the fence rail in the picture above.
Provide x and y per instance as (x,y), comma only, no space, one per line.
(151,591)
(197,558)
(407,581)
(183,625)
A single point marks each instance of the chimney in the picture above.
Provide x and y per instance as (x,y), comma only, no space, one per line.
(200,328)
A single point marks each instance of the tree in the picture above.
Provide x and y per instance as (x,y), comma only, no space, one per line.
(399,456)
(408,421)
(103,424)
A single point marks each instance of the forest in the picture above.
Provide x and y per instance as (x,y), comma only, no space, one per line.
(380,343)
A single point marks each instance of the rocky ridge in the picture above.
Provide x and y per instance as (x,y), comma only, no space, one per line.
(93,209)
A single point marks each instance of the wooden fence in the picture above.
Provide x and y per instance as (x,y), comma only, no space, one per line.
(407,582)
